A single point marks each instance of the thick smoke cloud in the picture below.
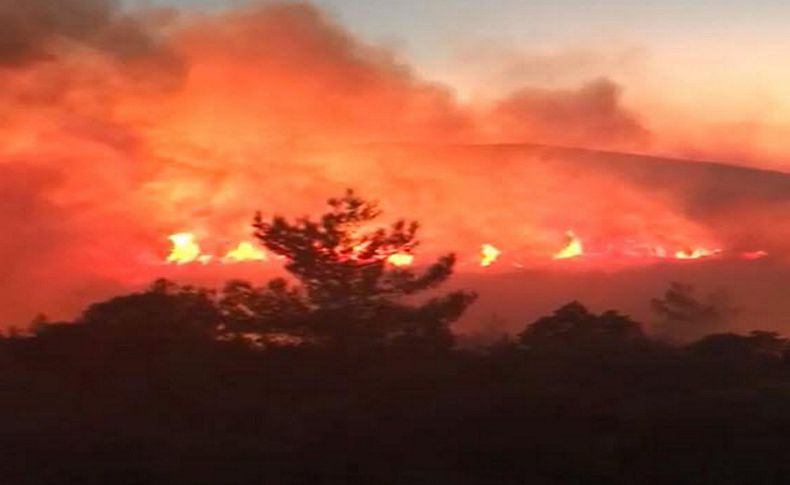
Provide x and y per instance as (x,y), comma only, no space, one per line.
(123,128)
(29,28)
(589,116)
(303,77)
(40,30)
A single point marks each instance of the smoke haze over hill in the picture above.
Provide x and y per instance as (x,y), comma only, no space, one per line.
(124,127)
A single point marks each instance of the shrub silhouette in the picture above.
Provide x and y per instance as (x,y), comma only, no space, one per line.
(684,316)
(574,326)
(581,397)
(164,311)
(759,347)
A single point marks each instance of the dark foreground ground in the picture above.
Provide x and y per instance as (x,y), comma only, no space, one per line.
(82,409)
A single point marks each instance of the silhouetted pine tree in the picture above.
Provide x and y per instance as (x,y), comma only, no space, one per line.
(350,292)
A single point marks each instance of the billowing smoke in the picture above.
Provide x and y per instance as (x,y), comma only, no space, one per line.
(122,128)
(29,28)
(590,116)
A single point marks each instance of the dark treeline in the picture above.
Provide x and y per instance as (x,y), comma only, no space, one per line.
(342,374)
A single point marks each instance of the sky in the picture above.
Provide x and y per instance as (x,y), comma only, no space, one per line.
(436,25)
(430,27)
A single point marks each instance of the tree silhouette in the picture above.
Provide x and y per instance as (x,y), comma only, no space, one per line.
(573,326)
(730,348)
(350,292)
(265,314)
(684,316)
(164,311)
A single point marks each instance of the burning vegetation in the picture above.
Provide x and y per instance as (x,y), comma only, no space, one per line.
(185,249)
(128,131)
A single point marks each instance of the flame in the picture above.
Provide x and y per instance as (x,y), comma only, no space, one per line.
(696,253)
(245,251)
(573,249)
(185,249)
(488,255)
(401,259)
(395,259)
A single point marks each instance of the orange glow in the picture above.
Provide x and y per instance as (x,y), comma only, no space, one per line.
(201,128)
(401,259)
(573,249)
(245,251)
(358,250)
(488,255)
(752,255)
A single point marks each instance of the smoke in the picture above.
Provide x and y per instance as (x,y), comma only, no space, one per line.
(42,30)
(591,116)
(121,128)
(30,29)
